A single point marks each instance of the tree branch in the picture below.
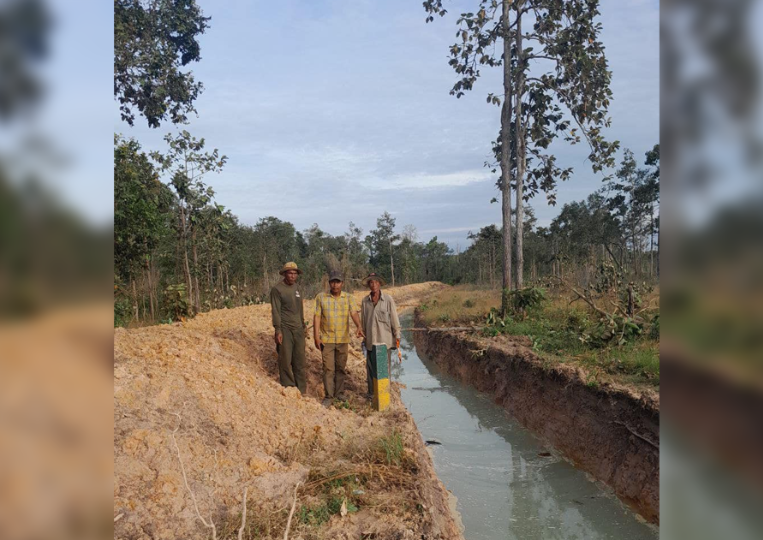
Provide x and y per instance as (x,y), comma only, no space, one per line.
(633,431)
(211,524)
(291,514)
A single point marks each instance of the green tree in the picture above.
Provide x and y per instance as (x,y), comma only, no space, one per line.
(651,194)
(354,253)
(153,40)
(186,163)
(632,195)
(141,203)
(24,42)
(435,260)
(567,86)
(409,254)
(486,251)
(277,242)
(380,243)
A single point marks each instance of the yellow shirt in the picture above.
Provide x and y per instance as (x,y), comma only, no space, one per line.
(335,316)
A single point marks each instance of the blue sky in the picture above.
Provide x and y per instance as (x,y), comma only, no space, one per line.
(336,111)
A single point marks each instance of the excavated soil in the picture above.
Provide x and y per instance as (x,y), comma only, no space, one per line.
(609,431)
(202,398)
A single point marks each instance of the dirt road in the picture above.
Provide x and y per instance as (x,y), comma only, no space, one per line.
(199,418)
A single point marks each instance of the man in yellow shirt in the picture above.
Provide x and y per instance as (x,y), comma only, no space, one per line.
(331,331)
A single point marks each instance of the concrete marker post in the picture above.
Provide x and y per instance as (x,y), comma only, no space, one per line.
(380,376)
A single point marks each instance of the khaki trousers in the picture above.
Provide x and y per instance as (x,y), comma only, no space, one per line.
(291,358)
(334,368)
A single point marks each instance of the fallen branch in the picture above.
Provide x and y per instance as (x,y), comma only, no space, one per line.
(440,329)
(291,514)
(588,301)
(211,524)
(634,432)
(243,518)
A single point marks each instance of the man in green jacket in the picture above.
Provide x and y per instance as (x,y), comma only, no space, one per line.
(289,324)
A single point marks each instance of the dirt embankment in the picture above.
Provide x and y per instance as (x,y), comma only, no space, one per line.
(199,418)
(606,430)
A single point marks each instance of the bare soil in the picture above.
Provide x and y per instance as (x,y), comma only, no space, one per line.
(609,431)
(202,398)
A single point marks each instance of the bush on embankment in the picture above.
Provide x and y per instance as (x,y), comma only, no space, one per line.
(564,325)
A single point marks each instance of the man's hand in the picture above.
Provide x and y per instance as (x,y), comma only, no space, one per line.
(318,343)
(399,353)
(278,338)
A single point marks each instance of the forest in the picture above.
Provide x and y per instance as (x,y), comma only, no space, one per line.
(177,252)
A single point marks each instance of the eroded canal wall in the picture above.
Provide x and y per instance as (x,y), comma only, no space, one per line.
(608,431)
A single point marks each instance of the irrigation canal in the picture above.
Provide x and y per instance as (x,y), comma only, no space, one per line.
(508,485)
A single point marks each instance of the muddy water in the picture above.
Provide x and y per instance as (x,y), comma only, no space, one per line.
(507,484)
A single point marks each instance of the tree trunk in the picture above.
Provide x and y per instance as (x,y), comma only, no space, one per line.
(136,315)
(651,244)
(150,291)
(520,153)
(186,266)
(154,284)
(265,272)
(505,160)
(493,262)
(630,308)
(391,262)
(197,297)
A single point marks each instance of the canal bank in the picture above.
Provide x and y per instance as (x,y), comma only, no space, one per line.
(204,430)
(606,432)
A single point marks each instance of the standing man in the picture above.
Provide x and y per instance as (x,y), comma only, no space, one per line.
(380,322)
(331,332)
(289,324)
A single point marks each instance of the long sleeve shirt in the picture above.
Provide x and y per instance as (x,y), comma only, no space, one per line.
(286,305)
(380,322)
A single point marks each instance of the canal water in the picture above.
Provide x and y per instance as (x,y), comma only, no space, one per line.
(508,485)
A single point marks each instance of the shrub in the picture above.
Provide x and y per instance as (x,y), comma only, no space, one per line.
(614,329)
(392,448)
(654,328)
(176,301)
(529,298)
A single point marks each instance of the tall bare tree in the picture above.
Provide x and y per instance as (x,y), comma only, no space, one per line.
(555,76)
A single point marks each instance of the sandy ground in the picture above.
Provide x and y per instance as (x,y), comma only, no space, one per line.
(199,418)
(55,424)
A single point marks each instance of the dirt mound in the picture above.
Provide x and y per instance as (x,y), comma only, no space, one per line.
(199,417)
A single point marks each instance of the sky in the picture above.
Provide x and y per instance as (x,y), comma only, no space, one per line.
(339,110)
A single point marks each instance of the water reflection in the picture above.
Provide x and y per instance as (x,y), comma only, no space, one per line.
(507,484)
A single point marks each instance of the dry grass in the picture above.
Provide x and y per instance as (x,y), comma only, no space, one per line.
(460,305)
(377,474)
(555,331)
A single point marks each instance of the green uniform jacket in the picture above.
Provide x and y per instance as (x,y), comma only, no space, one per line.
(286,304)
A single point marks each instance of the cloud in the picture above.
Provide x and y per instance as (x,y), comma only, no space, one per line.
(429,181)
(327,118)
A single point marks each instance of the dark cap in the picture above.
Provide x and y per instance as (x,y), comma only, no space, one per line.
(335,275)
